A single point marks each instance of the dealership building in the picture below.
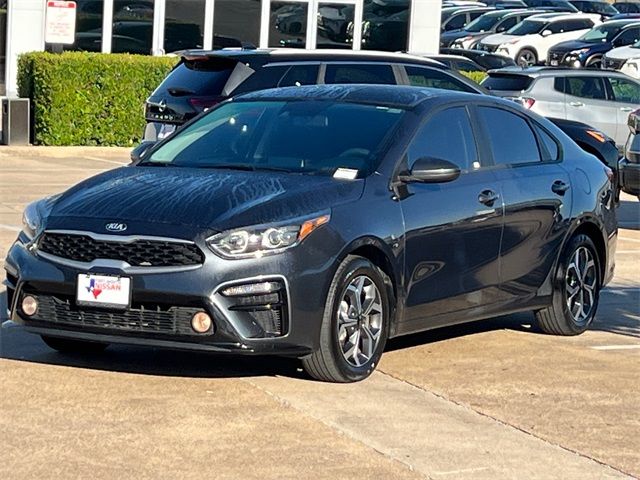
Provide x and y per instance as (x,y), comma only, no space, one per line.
(157,27)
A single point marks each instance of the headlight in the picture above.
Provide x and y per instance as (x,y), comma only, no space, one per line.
(578,52)
(35,213)
(263,240)
(633,65)
(31,220)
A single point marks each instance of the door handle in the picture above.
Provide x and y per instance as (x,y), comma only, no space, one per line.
(560,187)
(488,197)
(626,109)
(577,104)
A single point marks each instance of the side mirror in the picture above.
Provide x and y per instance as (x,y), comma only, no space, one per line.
(138,152)
(431,170)
(546,33)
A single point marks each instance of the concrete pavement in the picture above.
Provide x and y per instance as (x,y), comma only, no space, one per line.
(494,399)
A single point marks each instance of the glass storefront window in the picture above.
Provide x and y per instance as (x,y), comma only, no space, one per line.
(236,23)
(132,26)
(183,25)
(288,24)
(334,20)
(385,25)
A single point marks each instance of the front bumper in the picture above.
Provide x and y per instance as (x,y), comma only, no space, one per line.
(163,303)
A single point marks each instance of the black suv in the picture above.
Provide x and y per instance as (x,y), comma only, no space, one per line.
(204,78)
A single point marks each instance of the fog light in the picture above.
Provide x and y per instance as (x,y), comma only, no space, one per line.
(201,322)
(29,306)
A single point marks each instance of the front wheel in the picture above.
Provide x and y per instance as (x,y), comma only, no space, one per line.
(576,291)
(355,324)
(595,62)
(526,58)
(66,345)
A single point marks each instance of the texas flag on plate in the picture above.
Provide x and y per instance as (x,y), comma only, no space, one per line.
(103,290)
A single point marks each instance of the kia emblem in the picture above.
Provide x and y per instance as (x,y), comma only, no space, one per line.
(115,227)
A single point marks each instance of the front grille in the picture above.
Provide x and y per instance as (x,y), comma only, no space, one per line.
(168,320)
(137,253)
(487,48)
(613,63)
(557,56)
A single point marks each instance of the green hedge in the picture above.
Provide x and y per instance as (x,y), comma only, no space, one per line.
(475,76)
(81,98)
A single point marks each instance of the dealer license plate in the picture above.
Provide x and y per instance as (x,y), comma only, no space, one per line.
(554,63)
(103,291)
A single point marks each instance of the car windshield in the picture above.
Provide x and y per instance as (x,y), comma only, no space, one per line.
(312,137)
(527,27)
(483,23)
(602,33)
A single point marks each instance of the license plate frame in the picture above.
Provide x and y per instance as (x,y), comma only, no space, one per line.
(114,290)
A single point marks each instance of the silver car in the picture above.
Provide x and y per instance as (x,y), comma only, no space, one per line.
(600,98)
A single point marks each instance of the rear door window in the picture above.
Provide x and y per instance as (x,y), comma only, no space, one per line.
(202,77)
(507,82)
(263,78)
(586,87)
(456,22)
(519,146)
(627,37)
(359,73)
(432,78)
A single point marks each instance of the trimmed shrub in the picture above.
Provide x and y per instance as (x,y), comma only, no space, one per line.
(475,76)
(81,98)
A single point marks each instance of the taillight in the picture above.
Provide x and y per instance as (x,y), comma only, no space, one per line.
(204,103)
(527,102)
(599,136)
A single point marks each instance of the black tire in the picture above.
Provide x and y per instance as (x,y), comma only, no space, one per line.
(66,345)
(594,62)
(526,57)
(328,363)
(557,319)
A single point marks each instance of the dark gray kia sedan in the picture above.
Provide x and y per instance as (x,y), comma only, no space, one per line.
(318,222)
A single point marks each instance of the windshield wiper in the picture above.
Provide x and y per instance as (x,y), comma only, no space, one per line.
(228,166)
(149,163)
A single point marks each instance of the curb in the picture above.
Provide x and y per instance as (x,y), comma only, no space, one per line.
(61,152)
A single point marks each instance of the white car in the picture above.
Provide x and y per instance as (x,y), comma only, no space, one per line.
(529,41)
(626,59)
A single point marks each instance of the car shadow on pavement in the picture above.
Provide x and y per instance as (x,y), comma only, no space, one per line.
(16,344)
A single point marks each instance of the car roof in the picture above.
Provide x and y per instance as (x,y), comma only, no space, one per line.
(622,23)
(296,54)
(554,72)
(392,96)
(556,16)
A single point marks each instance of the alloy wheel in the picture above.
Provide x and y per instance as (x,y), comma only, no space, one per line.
(581,281)
(360,321)
(526,59)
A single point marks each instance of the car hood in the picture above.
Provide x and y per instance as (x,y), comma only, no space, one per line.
(148,199)
(571,45)
(449,37)
(624,52)
(500,38)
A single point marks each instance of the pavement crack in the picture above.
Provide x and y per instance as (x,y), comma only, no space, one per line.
(506,424)
(287,404)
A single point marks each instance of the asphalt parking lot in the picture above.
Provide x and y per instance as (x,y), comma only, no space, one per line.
(495,399)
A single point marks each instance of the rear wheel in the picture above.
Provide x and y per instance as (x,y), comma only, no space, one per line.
(526,58)
(66,345)
(355,325)
(576,290)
